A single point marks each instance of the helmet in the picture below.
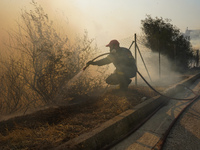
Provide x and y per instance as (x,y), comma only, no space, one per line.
(113,43)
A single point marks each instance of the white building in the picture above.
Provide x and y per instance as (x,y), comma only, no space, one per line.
(192,34)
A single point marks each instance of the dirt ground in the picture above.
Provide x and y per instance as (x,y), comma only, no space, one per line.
(51,127)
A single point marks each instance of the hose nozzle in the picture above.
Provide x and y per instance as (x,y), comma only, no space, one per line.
(87,65)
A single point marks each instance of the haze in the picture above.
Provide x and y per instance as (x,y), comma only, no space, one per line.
(106,19)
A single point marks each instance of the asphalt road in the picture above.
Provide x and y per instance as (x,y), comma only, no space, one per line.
(185,135)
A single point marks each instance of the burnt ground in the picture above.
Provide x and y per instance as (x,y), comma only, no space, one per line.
(51,127)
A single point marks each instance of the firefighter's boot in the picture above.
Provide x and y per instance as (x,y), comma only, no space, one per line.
(124,85)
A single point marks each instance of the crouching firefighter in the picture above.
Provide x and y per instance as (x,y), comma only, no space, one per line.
(123,61)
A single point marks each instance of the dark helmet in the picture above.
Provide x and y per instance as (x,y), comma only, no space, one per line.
(113,43)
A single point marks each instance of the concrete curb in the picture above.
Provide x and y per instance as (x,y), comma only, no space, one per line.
(115,128)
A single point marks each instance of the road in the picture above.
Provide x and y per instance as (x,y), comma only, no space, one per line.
(185,134)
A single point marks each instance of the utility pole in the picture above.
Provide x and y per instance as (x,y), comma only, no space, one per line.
(159,61)
(135,59)
(175,55)
(197,61)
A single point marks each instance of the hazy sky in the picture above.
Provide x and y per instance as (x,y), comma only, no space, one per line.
(107,19)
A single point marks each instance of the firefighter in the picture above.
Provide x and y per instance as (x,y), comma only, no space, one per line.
(124,62)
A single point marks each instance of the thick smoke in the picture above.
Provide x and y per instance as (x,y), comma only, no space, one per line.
(162,75)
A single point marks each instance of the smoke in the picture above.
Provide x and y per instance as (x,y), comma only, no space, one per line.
(65,22)
(196,44)
(61,25)
(159,76)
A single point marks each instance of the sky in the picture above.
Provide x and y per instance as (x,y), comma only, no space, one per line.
(105,20)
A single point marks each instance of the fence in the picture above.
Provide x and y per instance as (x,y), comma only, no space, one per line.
(153,65)
(133,43)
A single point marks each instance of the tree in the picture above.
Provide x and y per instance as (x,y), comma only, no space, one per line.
(161,36)
(42,60)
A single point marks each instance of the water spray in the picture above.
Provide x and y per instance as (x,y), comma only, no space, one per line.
(196,95)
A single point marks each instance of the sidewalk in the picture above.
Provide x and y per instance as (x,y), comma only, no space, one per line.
(146,137)
(185,135)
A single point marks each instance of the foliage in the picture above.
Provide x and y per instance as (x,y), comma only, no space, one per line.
(161,36)
(44,60)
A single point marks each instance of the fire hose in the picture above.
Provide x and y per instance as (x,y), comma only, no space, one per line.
(196,95)
(95,59)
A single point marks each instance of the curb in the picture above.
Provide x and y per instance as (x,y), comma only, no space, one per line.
(118,126)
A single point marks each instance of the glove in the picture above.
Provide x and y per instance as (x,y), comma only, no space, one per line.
(90,63)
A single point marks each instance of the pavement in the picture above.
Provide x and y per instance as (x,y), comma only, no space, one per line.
(147,136)
(185,134)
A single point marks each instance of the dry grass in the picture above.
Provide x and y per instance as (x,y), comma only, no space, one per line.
(50,128)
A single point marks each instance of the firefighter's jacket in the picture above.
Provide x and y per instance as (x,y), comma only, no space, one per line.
(123,61)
